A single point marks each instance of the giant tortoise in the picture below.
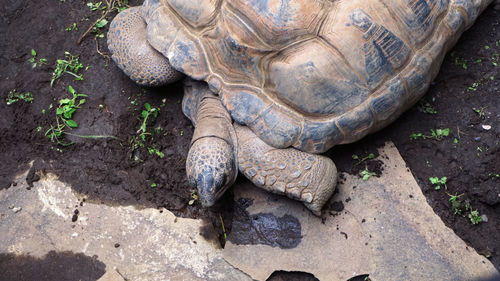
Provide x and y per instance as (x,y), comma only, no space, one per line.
(272,83)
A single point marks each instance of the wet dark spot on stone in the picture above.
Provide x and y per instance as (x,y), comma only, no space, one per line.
(363,220)
(411,196)
(348,199)
(76,212)
(74,218)
(117,245)
(343,233)
(264,228)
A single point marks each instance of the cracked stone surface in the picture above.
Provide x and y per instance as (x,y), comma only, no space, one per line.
(386,230)
(138,244)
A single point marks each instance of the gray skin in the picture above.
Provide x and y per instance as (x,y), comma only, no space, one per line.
(220,147)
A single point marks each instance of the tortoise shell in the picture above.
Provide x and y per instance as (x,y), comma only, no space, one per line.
(310,73)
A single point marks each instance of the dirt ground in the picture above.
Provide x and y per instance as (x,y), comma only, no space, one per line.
(463,98)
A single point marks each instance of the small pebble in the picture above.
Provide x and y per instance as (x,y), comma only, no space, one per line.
(486,127)
(477,138)
(74,218)
(16,209)
(74,235)
(484,218)
(117,245)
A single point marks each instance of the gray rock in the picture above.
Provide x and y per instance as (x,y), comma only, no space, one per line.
(386,230)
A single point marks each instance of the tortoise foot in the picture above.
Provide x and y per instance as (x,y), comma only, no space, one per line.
(132,53)
(302,176)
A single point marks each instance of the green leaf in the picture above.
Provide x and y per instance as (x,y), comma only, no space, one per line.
(434,180)
(71,123)
(147,106)
(71,90)
(33,52)
(101,23)
(144,114)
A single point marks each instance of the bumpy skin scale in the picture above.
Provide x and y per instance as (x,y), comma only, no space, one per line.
(133,54)
(311,73)
(211,165)
(298,175)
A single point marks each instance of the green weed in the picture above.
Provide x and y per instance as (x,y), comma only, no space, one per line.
(425,107)
(480,112)
(366,174)
(455,204)
(34,61)
(475,217)
(438,182)
(194,197)
(14,97)
(73,26)
(64,115)
(362,159)
(71,65)
(139,140)
(437,134)
(155,151)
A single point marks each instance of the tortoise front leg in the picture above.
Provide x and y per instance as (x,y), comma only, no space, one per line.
(211,165)
(302,176)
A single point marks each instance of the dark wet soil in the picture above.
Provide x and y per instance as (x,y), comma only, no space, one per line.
(111,171)
(59,266)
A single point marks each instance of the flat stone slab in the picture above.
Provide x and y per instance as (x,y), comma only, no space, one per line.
(133,244)
(386,230)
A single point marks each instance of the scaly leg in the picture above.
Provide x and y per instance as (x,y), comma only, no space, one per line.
(299,175)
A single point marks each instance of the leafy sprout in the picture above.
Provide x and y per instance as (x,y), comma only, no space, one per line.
(15,96)
(70,65)
(438,182)
(366,174)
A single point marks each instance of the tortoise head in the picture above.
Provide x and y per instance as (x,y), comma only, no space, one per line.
(211,168)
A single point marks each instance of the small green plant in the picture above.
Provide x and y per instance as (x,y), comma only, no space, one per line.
(97,29)
(425,107)
(461,62)
(194,197)
(474,217)
(34,61)
(64,115)
(438,182)
(146,113)
(15,96)
(362,159)
(71,65)
(366,174)
(96,6)
(105,8)
(437,134)
(155,151)
(480,112)
(456,204)
(473,87)
(139,140)
(73,26)
(153,185)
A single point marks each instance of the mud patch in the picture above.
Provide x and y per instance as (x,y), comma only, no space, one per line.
(54,266)
(263,228)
